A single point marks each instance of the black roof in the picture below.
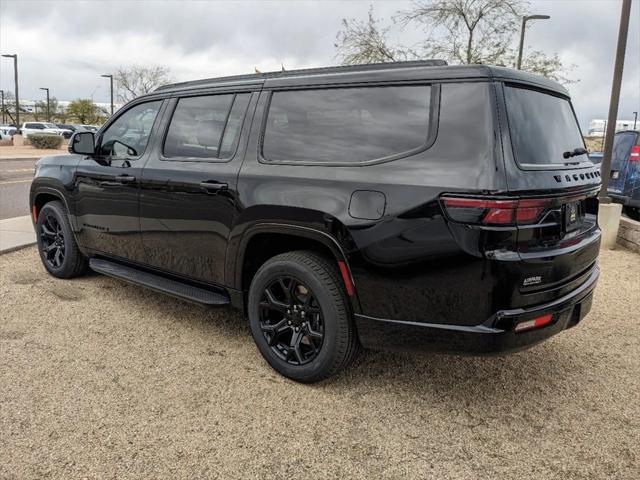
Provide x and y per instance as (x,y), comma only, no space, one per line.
(413,70)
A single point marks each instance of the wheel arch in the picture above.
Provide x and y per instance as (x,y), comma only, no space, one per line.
(263,241)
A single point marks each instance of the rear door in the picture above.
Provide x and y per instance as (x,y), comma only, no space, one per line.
(189,197)
(547,166)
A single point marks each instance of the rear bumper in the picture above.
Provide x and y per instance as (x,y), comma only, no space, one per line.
(494,336)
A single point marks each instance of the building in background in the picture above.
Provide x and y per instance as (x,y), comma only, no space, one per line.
(597,127)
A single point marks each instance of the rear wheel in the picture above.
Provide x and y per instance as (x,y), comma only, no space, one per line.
(633,212)
(300,317)
(59,252)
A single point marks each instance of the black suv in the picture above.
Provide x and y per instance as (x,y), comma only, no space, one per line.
(411,205)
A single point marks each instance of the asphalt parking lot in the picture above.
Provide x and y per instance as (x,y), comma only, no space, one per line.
(100,379)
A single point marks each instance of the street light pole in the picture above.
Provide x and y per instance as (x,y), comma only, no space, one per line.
(110,77)
(525,19)
(625,13)
(15,73)
(3,115)
(635,119)
(48,116)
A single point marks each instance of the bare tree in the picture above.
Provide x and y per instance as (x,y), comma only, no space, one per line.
(367,42)
(459,31)
(137,80)
(467,31)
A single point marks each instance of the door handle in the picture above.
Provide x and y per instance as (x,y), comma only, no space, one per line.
(125,178)
(214,187)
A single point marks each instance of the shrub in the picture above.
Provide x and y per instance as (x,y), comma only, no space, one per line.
(42,140)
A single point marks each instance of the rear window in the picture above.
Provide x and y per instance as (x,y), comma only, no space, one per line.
(622,144)
(346,125)
(542,128)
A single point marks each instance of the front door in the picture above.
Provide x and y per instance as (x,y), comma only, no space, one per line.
(107,185)
(188,195)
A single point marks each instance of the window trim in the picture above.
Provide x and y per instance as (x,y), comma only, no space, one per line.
(432,130)
(176,100)
(99,135)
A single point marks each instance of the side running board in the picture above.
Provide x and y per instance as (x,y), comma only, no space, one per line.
(161,284)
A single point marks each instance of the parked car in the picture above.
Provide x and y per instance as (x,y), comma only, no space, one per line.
(8,130)
(88,128)
(30,128)
(624,181)
(409,205)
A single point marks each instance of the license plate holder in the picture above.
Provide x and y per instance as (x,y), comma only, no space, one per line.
(572,216)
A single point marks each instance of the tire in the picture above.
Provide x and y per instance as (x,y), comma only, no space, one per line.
(54,234)
(327,312)
(633,213)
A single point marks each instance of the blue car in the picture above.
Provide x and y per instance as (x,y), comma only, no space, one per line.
(624,182)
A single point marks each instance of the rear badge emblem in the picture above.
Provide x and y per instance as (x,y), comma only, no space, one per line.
(532,281)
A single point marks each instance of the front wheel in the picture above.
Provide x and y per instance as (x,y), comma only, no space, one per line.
(57,246)
(300,317)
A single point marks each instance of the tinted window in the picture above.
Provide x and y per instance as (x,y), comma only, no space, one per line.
(542,128)
(346,124)
(622,144)
(204,127)
(129,134)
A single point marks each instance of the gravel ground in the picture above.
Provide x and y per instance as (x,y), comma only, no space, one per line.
(100,379)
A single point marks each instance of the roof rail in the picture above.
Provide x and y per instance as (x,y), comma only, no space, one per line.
(307,71)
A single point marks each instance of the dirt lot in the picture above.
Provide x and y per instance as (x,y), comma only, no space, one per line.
(100,379)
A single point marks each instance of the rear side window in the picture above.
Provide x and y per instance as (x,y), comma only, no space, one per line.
(346,125)
(205,127)
(542,128)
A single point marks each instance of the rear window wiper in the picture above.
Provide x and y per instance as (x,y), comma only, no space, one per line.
(575,152)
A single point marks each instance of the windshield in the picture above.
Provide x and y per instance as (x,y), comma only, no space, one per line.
(543,129)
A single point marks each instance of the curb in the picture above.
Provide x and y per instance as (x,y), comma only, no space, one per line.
(17,247)
(17,159)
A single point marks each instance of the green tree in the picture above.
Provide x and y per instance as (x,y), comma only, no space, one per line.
(459,31)
(83,110)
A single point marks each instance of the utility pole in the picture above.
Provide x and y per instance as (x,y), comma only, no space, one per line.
(3,115)
(15,74)
(615,99)
(110,77)
(524,24)
(48,116)
(635,119)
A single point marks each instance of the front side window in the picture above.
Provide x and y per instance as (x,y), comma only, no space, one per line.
(346,125)
(129,134)
(205,127)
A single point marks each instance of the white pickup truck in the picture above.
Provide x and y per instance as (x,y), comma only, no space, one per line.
(30,128)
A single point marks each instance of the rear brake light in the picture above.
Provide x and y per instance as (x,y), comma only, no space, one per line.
(495,212)
(634,156)
(535,323)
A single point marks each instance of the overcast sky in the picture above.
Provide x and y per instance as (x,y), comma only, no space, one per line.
(66,45)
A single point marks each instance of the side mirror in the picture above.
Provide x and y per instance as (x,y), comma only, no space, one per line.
(82,143)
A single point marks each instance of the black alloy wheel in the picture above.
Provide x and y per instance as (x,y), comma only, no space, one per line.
(53,241)
(57,245)
(291,320)
(300,316)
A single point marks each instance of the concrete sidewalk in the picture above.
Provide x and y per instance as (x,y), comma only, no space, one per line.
(16,233)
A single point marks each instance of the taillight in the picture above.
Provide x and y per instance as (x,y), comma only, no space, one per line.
(495,212)
(634,156)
